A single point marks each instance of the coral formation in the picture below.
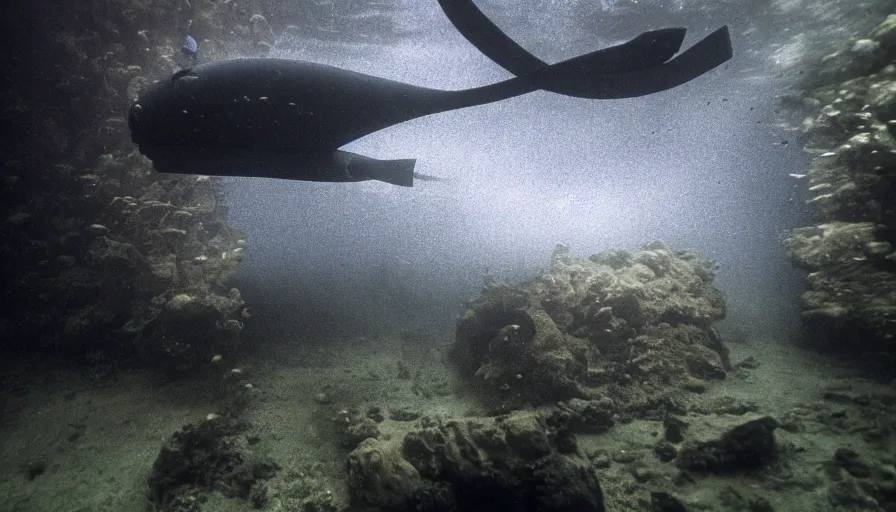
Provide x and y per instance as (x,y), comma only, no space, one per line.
(849,251)
(628,329)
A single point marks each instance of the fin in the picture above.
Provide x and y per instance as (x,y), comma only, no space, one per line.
(427,177)
(647,50)
(335,166)
(644,51)
(584,77)
(180,74)
(394,172)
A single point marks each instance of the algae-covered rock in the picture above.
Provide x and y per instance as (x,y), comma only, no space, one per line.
(848,250)
(885,34)
(857,483)
(727,443)
(97,242)
(584,326)
(856,58)
(355,427)
(379,476)
(206,457)
(665,502)
(517,462)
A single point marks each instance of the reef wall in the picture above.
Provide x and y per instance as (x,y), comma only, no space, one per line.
(101,256)
(849,251)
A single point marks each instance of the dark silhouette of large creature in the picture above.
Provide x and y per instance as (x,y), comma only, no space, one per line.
(281,118)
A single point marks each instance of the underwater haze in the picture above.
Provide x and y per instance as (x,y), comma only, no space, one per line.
(664,302)
(705,166)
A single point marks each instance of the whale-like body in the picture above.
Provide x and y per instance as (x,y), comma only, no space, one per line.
(282,118)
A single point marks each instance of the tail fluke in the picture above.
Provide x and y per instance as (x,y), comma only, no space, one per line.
(636,68)
(583,76)
(647,50)
(394,172)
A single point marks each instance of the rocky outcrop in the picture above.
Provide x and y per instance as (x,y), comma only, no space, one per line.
(101,256)
(727,443)
(630,328)
(862,57)
(211,455)
(524,461)
(859,484)
(849,252)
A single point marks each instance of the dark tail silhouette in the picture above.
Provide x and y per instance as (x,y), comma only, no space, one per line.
(629,63)
(585,77)
(394,172)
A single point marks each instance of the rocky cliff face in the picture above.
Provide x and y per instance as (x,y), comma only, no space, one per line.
(101,256)
(849,252)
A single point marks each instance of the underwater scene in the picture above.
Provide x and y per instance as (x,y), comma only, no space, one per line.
(448,256)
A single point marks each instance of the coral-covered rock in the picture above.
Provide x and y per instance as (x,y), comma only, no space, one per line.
(204,457)
(849,252)
(857,58)
(97,245)
(355,427)
(518,462)
(380,477)
(583,327)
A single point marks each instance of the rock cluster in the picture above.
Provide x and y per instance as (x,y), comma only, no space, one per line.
(849,251)
(629,329)
(728,459)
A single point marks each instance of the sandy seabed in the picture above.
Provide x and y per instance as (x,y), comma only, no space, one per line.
(69,444)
